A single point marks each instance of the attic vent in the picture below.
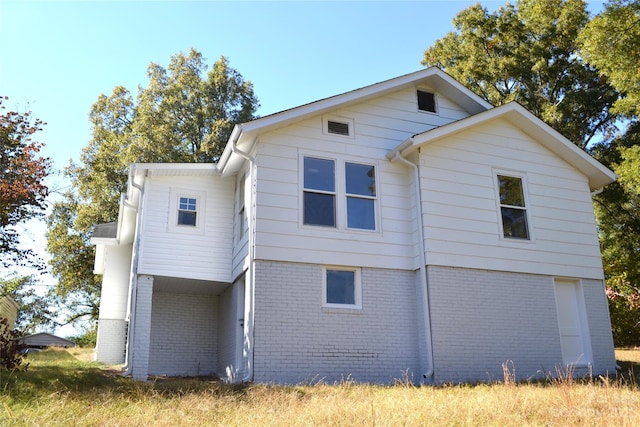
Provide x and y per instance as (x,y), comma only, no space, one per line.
(339,128)
(426,101)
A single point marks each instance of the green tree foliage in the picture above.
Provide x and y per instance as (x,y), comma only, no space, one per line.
(22,191)
(527,52)
(34,309)
(611,42)
(185,114)
(618,214)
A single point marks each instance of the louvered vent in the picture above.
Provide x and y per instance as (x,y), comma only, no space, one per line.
(426,101)
(338,128)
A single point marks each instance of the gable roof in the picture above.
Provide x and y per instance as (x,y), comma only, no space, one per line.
(244,134)
(597,174)
(45,339)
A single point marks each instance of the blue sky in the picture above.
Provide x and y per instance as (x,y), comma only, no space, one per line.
(57,57)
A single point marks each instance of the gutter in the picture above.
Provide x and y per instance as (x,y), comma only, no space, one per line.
(133,283)
(426,312)
(250,283)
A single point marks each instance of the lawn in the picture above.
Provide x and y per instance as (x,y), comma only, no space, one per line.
(63,387)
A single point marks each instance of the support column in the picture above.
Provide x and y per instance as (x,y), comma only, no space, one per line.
(142,328)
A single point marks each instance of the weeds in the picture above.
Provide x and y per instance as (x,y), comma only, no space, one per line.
(59,389)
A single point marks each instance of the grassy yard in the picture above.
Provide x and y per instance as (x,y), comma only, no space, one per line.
(64,388)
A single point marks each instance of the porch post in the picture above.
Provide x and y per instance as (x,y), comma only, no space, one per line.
(142,332)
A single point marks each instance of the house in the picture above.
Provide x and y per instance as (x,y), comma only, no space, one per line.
(8,310)
(45,339)
(403,228)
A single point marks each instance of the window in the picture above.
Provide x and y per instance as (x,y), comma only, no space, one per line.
(342,288)
(325,180)
(319,192)
(187,210)
(361,194)
(512,207)
(243,223)
(426,101)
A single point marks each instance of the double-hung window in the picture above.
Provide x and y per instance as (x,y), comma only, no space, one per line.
(361,193)
(319,192)
(513,208)
(187,211)
(340,197)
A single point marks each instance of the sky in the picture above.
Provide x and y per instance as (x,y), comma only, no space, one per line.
(57,57)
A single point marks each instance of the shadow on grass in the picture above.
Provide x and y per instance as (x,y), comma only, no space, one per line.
(629,371)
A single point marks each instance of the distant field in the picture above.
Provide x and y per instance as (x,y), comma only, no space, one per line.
(65,388)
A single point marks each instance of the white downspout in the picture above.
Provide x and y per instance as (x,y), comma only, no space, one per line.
(249,284)
(133,292)
(423,268)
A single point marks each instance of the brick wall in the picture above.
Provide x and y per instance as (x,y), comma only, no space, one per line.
(296,340)
(599,326)
(481,319)
(183,334)
(111,342)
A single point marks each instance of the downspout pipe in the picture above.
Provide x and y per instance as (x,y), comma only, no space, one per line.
(249,284)
(133,283)
(426,311)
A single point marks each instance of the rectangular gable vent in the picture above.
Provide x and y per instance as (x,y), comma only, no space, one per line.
(426,101)
(338,128)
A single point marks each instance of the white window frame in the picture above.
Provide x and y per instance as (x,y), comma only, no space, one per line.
(334,193)
(340,193)
(527,205)
(357,288)
(174,207)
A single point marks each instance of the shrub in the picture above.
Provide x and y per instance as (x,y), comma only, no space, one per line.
(10,347)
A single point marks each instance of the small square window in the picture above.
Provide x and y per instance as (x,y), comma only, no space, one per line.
(187,211)
(342,288)
(426,101)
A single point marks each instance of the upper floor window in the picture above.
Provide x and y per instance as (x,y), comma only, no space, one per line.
(513,207)
(361,193)
(355,185)
(319,192)
(426,101)
(187,211)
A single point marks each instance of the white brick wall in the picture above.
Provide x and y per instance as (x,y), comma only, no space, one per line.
(481,319)
(599,326)
(183,334)
(111,342)
(296,340)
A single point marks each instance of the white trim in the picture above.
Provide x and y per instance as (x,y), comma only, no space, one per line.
(357,288)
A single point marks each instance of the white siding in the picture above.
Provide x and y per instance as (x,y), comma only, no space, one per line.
(379,125)
(182,252)
(461,216)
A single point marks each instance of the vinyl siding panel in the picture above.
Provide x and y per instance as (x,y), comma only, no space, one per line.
(378,126)
(204,253)
(462,215)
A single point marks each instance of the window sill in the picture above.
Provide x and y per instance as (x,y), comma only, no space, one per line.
(341,310)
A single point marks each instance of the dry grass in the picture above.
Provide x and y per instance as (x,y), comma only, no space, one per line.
(63,388)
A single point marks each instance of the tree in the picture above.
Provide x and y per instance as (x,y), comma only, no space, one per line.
(528,53)
(617,210)
(185,114)
(22,190)
(34,310)
(610,42)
